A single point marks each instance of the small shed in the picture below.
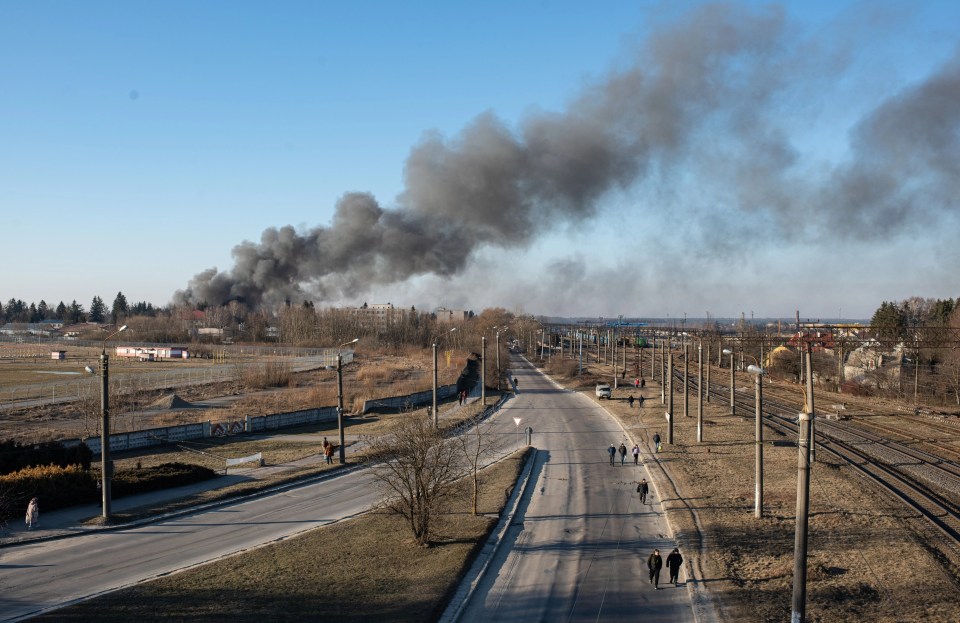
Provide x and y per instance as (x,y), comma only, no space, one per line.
(58,355)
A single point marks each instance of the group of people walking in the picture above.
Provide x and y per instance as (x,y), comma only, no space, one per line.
(655,563)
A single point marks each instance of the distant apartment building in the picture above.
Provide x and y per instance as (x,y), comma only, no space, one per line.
(450,316)
(378,315)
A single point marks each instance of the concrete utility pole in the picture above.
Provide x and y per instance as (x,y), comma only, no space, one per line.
(733,381)
(810,405)
(700,391)
(483,371)
(663,373)
(670,402)
(757,371)
(708,370)
(653,358)
(686,381)
(799,605)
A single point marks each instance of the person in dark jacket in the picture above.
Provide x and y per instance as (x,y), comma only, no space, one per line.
(612,451)
(623,453)
(674,560)
(654,564)
(656,441)
(643,488)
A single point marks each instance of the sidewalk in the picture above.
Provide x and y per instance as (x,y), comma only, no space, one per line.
(68,522)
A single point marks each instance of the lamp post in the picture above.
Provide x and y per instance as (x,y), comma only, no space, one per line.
(758,372)
(343,455)
(106,463)
(733,381)
(436,420)
(516,421)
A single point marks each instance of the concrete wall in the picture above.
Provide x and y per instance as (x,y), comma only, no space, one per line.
(255,424)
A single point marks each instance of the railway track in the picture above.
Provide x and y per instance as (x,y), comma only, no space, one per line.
(923,480)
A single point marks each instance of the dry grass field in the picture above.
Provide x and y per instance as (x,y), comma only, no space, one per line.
(869,559)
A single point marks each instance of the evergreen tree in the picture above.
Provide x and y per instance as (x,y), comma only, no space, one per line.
(98,310)
(34,315)
(75,313)
(43,310)
(61,312)
(889,322)
(119,309)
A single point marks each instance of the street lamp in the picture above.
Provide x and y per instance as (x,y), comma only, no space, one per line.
(733,381)
(436,420)
(343,456)
(758,373)
(106,464)
(516,421)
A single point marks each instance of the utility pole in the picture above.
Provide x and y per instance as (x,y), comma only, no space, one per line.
(708,369)
(700,391)
(758,498)
(810,405)
(670,402)
(733,380)
(686,380)
(483,371)
(804,443)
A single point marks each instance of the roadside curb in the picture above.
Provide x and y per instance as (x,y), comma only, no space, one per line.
(475,575)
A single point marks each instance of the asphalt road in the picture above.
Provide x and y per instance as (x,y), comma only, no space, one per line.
(576,551)
(44,575)
(578,545)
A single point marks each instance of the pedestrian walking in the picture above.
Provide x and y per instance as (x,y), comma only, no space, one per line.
(612,451)
(636,383)
(643,383)
(623,454)
(654,564)
(674,560)
(33,514)
(643,488)
(636,454)
(630,401)
(656,441)
(328,453)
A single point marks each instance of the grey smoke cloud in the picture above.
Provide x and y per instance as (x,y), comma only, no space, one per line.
(703,95)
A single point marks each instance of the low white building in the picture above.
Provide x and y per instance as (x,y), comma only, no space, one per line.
(150,353)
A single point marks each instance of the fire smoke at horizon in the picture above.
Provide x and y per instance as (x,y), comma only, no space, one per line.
(703,95)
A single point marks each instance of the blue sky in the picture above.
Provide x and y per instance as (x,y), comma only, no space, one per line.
(140,142)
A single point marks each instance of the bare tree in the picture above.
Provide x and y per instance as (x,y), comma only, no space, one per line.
(420,474)
(478,443)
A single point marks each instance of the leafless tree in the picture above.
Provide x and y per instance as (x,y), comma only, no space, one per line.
(479,443)
(420,473)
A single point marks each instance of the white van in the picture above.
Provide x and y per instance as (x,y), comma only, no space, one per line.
(603,391)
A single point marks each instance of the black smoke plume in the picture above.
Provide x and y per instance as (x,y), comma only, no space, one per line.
(702,96)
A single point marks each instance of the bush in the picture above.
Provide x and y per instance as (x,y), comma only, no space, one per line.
(60,487)
(165,476)
(15,456)
(55,486)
